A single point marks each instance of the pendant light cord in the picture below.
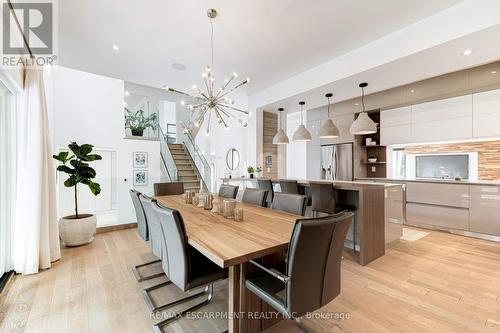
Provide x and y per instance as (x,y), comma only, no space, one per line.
(363,97)
(328,98)
(302,114)
(212,42)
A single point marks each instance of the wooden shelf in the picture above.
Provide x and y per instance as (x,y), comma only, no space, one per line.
(373,163)
(375,146)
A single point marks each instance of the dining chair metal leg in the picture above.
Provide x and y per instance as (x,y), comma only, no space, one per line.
(147,298)
(210,289)
(139,277)
(241,309)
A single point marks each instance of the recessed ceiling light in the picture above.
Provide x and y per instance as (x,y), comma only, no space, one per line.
(493,72)
(178,67)
(412,91)
(127,93)
(116,48)
(467,52)
(356,104)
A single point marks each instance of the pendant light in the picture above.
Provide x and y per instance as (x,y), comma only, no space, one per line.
(363,124)
(329,130)
(302,134)
(280,138)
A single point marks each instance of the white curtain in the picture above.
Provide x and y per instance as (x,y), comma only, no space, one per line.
(36,234)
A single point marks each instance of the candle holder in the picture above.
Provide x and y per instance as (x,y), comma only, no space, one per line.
(201,200)
(195,200)
(189,196)
(208,201)
(229,205)
(215,207)
(238,214)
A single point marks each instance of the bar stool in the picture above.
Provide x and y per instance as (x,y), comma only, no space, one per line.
(324,200)
(289,186)
(266,184)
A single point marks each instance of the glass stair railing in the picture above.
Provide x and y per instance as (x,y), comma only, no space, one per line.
(167,158)
(199,160)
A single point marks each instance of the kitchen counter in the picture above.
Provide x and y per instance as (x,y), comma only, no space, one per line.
(336,183)
(430,180)
(379,212)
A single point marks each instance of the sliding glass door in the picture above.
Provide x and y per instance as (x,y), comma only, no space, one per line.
(7,176)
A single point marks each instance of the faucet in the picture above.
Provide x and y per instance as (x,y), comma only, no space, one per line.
(443,174)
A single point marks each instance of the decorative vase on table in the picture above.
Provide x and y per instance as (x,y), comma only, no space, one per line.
(78,229)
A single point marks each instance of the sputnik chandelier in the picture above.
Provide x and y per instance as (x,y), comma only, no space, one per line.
(209,102)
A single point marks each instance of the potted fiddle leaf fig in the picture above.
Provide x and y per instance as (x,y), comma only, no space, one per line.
(138,122)
(78,229)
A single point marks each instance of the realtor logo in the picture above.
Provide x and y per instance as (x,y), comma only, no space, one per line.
(30,23)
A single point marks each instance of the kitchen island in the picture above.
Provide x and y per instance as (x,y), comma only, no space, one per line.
(379,212)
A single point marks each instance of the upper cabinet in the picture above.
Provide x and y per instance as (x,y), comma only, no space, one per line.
(446,119)
(486,110)
(395,126)
(458,118)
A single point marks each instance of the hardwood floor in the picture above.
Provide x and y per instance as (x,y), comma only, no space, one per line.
(440,283)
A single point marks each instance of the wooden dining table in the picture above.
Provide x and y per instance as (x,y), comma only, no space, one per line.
(230,244)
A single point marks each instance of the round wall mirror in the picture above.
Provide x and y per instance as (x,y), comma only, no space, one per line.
(232,159)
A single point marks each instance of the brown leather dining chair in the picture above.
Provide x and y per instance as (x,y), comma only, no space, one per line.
(168,188)
(305,285)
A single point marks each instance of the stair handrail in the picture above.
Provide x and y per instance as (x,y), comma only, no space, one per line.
(199,160)
(167,157)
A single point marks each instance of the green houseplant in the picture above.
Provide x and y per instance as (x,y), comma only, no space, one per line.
(250,171)
(78,229)
(138,122)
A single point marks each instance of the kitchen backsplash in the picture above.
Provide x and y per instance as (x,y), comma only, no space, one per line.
(488,155)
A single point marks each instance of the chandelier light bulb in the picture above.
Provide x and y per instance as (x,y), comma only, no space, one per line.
(195,86)
(183,103)
(248,79)
(235,75)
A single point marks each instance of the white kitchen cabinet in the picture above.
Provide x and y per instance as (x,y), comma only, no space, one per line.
(394,135)
(395,126)
(313,162)
(395,117)
(443,109)
(446,119)
(485,209)
(486,114)
(442,130)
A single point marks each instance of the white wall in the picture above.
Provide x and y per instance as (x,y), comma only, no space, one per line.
(88,108)
(296,152)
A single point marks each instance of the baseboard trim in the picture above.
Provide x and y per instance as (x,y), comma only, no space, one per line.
(101,230)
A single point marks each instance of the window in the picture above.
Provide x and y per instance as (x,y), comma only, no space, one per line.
(442,166)
(398,163)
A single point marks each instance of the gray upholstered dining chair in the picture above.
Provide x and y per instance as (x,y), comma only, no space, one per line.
(266,184)
(290,203)
(168,188)
(305,285)
(228,191)
(143,230)
(255,197)
(289,186)
(157,247)
(324,200)
(186,267)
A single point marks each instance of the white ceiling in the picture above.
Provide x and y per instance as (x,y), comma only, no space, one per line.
(267,40)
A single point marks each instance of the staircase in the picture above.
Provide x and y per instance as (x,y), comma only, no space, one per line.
(186,169)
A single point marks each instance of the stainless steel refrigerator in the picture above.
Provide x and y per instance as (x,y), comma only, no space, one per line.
(337,162)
